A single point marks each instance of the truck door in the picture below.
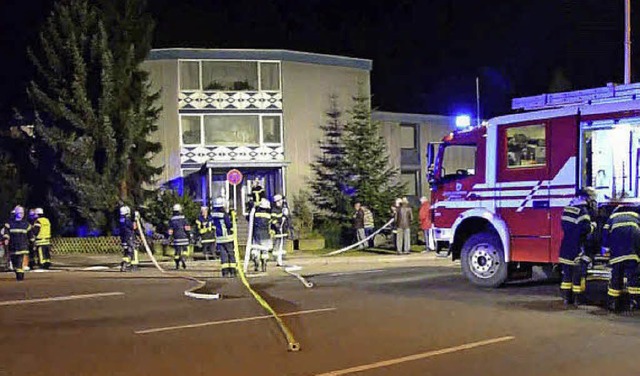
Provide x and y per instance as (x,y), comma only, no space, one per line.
(522,185)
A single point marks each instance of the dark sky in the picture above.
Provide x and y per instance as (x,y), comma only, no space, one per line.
(426,54)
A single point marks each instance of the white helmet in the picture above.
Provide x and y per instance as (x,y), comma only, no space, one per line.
(277,198)
(203,208)
(265,204)
(218,202)
(177,208)
(124,210)
(39,211)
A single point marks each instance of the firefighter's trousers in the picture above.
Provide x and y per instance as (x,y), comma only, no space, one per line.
(18,259)
(574,278)
(227,258)
(209,248)
(619,271)
(44,255)
(279,251)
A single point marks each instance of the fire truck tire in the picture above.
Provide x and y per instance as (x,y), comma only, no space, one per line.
(482,259)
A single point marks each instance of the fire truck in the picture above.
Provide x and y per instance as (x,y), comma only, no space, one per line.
(498,189)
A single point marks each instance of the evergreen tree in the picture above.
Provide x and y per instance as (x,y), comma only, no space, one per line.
(72,95)
(374,181)
(330,170)
(135,113)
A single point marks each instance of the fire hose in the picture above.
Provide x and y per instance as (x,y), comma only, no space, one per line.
(199,283)
(363,241)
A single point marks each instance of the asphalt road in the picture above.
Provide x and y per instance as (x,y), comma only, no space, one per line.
(389,319)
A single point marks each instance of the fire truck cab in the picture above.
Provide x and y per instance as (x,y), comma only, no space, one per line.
(500,212)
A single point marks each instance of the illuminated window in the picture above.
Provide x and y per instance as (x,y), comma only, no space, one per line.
(189,75)
(269,76)
(232,130)
(229,75)
(526,146)
(190,130)
(271,130)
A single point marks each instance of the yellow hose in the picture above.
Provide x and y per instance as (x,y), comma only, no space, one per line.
(293,345)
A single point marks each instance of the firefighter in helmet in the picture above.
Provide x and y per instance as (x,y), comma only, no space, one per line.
(224,238)
(261,239)
(16,234)
(206,232)
(621,236)
(257,193)
(33,256)
(280,226)
(179,229)
(577,226)
(42,236)
(127,229)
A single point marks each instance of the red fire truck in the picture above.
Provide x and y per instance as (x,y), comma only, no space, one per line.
(498,190)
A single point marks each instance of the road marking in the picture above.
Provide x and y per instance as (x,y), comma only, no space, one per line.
(410,358)
(232,321)
(352,273)
(60,298)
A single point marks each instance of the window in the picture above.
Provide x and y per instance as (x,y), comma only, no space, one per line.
(271,130)
(189,75)
(232,130)
(410,181)
(269,76)
(229,75)
(190,130)
(526,146)
(408,136)
(459,161)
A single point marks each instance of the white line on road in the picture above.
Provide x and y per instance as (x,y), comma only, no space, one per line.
(352,273)
(210,323)
(410,358)
(60,298)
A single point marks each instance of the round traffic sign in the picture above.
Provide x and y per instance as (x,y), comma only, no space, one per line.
(234,177)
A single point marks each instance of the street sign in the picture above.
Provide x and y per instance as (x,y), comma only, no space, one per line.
(234,177)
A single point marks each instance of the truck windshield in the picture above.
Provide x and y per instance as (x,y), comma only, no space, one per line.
(458,161)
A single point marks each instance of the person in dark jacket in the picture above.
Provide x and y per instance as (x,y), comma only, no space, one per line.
(621,235)
(206,232)
(358,224)
(179,229)
(261,241)
(224,238)
(16,235)
(576,225)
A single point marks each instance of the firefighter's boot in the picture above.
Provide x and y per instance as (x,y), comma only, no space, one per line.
(613,304)
(19,276)
(263,263)
(579,300)
(225,272)
(184,265)
(123,266)
(177,261)
(567,297)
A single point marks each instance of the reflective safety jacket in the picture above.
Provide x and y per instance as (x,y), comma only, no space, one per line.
(42,231)
(126,228)
(576,225)
(179,229)
(222,225)
(205,228)
(17,233)
(621,234)
(280,221)
(261,224)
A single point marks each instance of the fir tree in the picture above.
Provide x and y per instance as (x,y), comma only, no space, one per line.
(330,170)
(72,95)
(135,113)
(374,181)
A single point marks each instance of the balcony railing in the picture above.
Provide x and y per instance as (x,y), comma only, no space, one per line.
(204,154)
(229,100)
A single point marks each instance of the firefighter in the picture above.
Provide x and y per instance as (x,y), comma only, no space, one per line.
(16,235)
(33,256)
(42,236)
(280,226)
(179,229)
(127,239)
(206,232)
(257,193)
(261,240)
(576,225)
(621,236)
(224,238)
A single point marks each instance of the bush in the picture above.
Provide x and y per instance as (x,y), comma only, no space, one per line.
(159,210)
(335,233)
(303,215)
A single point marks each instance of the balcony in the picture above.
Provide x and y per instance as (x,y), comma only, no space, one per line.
(229,100)
(224,154)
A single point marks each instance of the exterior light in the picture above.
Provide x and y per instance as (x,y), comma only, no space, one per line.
(463,121)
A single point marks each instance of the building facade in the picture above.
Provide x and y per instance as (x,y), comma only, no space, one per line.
(258,111)
(407,136)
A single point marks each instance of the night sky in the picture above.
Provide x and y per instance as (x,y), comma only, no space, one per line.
(426,54)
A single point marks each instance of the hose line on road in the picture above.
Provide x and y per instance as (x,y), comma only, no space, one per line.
(292,344)
(363,241)
(190,292)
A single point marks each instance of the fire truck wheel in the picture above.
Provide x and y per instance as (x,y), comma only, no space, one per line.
(482,260)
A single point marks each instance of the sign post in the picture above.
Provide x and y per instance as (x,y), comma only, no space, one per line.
(234,177)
